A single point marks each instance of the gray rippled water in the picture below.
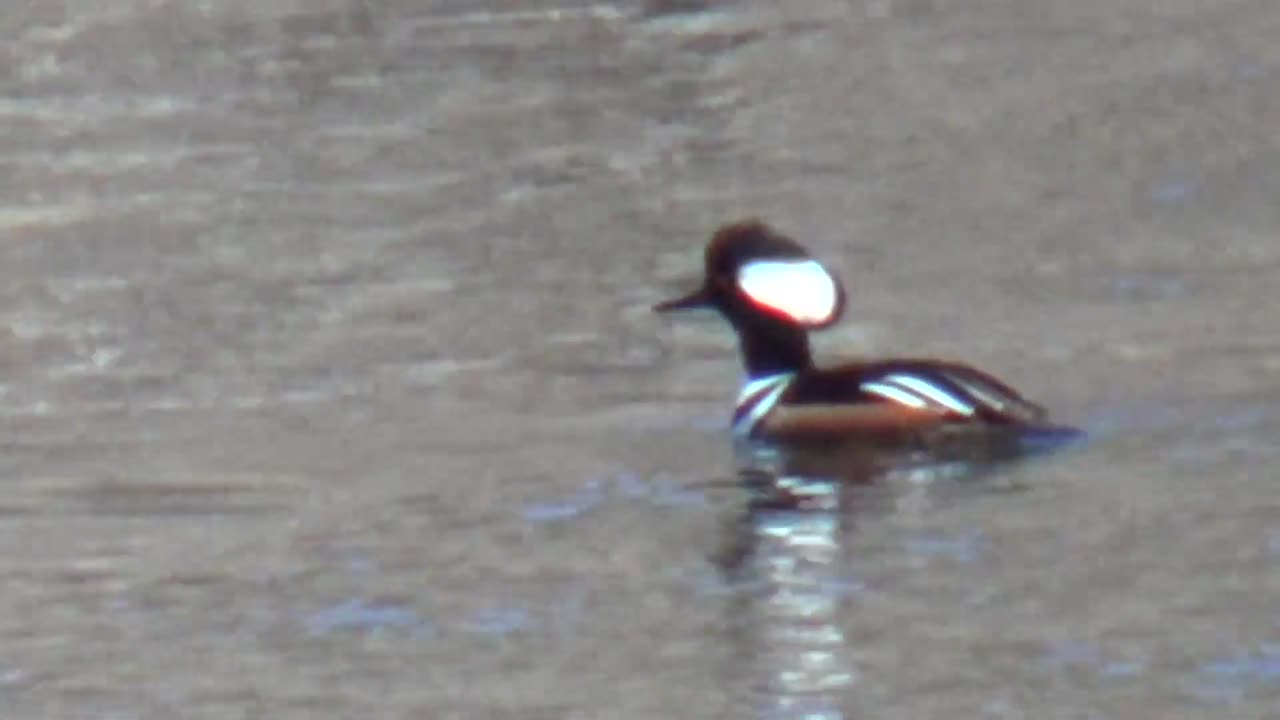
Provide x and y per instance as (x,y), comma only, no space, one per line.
(329,388)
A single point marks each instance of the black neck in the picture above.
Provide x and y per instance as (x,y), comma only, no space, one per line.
(772,347)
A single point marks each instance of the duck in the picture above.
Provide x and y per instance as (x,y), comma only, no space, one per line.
(774,293)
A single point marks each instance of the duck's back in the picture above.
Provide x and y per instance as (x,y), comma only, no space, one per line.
(951,391)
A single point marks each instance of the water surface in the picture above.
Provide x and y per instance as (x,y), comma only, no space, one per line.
(328,386)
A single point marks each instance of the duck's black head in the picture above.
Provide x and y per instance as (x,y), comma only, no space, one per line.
(772,292)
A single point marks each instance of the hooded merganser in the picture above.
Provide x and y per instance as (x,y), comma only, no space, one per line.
(773,293)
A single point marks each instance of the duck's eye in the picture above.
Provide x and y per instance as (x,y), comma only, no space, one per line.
(799,290)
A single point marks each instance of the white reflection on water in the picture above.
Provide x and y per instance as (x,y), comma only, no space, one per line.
(790,553)
(802,664)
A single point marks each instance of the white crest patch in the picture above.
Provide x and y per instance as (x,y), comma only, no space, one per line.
(802,290)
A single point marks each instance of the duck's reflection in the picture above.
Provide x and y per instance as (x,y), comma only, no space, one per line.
(788,554)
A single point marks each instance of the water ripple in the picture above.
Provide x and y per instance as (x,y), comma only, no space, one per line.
(499,621)
(966,548)
(662,491)
(1231,679)
(365,615)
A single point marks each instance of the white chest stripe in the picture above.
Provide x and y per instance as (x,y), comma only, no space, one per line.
(917,392)
(766,391)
